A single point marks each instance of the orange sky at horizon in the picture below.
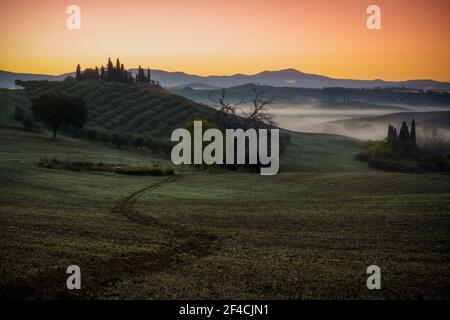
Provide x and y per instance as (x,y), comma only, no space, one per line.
(227,37)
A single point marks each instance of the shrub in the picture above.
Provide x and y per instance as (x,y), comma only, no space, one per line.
(141,171)
(170,171)
(28,123)
(146,170)
(19,113)
(401,156)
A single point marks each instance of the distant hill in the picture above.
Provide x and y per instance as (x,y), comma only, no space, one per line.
(281,78)
(376,127)
(154,112)
(331,98)
(7,79)
(195,86)
(439,119)
(289,78)
(140,109)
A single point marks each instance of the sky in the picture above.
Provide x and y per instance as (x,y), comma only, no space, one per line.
(218,37)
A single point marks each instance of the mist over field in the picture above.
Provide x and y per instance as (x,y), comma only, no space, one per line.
(361,122)
(310,118)
(359,113)
(112,183)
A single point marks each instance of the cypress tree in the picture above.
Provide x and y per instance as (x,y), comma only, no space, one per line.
(139,76)
(102,73)
(390,133)
(96,73)
(117,77)
(413,131)
(78,73)
(122,73)
(404,132)
(110,70)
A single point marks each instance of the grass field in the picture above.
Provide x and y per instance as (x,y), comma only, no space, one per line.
(309,232)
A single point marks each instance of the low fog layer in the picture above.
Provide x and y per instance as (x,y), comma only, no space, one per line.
(361,124)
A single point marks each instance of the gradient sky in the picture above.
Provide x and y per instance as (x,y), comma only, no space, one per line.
(231,36)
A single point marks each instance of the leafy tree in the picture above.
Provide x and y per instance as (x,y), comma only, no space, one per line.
(138,142)
(55,109)
(91,134)
(19,113)
(117,140)
(90,74)
(28,122)
(104,136)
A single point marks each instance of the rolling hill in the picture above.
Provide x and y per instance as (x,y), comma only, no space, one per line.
(280,78)
(137,109)
(289,78)
(329,98)
(304,233)
(7,79)
(376,127)
(439,119)
(295,235)
(153,112)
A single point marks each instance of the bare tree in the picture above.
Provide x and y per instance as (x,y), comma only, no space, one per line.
(257,115)
(226,111)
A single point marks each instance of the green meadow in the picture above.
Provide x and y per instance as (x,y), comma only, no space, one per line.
(309,232)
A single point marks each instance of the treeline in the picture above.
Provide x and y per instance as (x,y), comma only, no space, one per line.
(400,152)
(384,95)
(404,136)
(113,72)
(117,139)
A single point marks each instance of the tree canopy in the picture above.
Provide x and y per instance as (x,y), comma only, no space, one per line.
(56,109)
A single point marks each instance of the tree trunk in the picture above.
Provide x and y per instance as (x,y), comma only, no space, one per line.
(54,132)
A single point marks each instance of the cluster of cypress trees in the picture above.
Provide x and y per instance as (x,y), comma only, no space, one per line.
(405,135)
(142,77)
(113,72)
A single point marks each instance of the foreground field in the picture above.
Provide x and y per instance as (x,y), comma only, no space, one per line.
(303,234)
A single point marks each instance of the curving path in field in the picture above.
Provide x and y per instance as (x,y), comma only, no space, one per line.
(97,276)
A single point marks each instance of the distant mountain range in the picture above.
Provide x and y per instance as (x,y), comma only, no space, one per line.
(285,78)
(7,78)
(281,78)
